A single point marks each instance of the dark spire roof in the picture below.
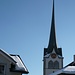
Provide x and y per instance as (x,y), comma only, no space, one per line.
(52,40)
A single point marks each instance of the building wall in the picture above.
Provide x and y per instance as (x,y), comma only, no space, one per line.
(56,59)
(7,66)
(47,71)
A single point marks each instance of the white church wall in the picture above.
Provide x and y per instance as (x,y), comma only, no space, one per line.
(47,59)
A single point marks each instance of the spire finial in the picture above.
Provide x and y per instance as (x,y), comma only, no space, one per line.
(52,41)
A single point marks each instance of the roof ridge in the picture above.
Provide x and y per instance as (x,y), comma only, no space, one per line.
(8,55)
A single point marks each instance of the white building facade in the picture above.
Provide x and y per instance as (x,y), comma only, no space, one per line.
(11,64)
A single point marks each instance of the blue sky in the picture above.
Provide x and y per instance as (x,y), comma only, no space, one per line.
(25,28)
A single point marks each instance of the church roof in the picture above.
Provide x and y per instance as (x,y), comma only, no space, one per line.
(65,71)
(52,40)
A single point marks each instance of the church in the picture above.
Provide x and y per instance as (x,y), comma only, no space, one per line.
(52,57)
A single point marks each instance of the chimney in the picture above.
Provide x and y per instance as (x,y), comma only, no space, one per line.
(74,58)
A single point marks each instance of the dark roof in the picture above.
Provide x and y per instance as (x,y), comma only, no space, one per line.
(52,40)
(70,64)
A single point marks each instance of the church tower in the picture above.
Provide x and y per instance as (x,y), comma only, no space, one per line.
(52,60)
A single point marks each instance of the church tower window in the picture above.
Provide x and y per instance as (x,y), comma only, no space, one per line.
(56,65)
(50,64)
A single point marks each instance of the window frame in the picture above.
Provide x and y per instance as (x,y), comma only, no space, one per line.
(4,68)
(50,64)
(56,65)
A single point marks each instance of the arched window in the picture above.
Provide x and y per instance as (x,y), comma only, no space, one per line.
(50,64)
(56,65)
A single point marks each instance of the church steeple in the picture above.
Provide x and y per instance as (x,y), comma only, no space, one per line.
(52,39)
(53,59)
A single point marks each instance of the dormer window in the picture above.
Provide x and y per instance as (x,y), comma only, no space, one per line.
(2,69)
(12,67)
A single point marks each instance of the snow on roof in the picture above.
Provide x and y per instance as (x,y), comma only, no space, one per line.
(16,60)
(67,70)
(19,65)
(60,56)
(47,55)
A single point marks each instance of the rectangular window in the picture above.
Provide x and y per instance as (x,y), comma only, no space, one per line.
(1,69)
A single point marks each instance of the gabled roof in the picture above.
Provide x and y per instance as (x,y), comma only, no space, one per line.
(17,64)
(7,56)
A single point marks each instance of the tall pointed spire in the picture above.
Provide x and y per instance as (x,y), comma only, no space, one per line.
(52,41)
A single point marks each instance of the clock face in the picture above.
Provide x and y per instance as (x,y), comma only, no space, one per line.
(53,55)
